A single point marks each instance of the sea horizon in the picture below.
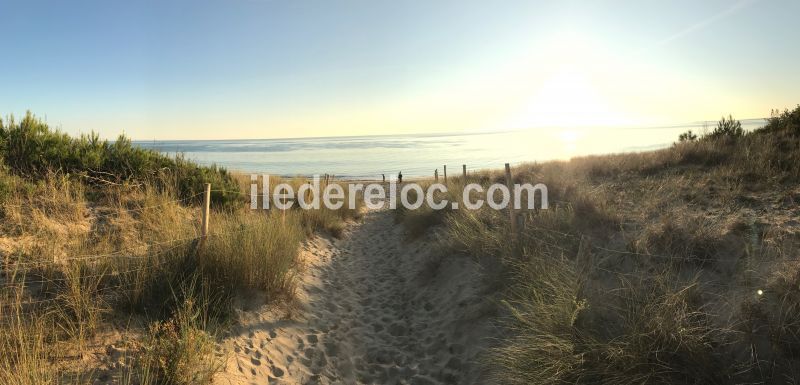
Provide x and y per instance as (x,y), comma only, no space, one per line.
(419,155)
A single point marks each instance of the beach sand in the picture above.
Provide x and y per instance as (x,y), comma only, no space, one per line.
(373,308)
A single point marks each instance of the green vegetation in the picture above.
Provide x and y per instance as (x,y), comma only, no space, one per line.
(30,148)
(180,350)
(728,128)
(687,136)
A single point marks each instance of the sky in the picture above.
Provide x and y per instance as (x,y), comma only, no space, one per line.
(237,69)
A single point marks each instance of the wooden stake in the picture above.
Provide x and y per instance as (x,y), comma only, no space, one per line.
(445,174)
(436,175)
(206,209)
(511,213)
(464,171)
(584,258)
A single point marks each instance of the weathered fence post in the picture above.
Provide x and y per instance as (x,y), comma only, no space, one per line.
(436,175)
(283,208)
(511,212)
(206,209)
(584,259)
(464,171)
(445,174)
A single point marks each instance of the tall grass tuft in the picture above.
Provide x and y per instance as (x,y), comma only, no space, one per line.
(252,252)
(180,350)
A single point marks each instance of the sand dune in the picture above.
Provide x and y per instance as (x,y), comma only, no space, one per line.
(375,309)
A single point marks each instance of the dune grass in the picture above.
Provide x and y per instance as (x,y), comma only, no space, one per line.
(670,266)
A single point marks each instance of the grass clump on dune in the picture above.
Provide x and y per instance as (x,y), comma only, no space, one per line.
(235,257)
(180,349)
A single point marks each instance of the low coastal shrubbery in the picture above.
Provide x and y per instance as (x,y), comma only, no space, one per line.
(727,128)
(30,148)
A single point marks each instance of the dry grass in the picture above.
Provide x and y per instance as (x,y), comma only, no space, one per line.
(671,266)
(180,350)
(78,261)
(234,259)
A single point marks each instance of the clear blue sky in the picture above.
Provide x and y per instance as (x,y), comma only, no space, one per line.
(287,68)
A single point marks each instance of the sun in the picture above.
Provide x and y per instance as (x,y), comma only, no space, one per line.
(568,99)
(568,136)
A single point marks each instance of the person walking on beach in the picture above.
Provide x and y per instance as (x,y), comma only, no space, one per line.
(400,177)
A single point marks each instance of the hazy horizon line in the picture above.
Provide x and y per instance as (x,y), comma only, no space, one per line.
(454,133)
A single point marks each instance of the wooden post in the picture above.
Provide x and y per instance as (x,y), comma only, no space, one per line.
(206,209)
(511,213)
(445,174)
(584,258)
(436,175)
(283,209)
(464,171)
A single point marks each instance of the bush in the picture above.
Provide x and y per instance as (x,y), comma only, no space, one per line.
(180,351)
(687,136)
(727,128)
(786,121)
(30,147)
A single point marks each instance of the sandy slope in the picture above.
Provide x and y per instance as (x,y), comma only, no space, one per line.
(375,309)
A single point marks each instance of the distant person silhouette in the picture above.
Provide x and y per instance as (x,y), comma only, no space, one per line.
(400,177)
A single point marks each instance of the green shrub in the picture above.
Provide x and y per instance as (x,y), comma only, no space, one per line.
(727,128)
(30,147)
(786,121)
(687,136)
(180,351)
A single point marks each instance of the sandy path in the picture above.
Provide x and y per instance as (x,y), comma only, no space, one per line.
(375,309)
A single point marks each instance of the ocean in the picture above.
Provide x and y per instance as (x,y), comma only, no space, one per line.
(368,157)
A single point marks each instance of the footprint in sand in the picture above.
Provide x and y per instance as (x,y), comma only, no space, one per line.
(367,319)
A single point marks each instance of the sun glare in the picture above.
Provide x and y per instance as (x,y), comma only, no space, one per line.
(568,136)
(571,82)
(566,100)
